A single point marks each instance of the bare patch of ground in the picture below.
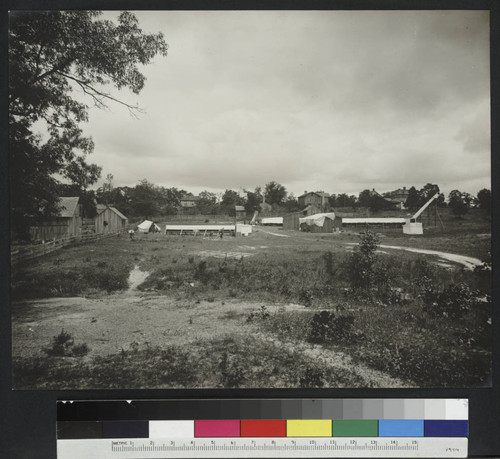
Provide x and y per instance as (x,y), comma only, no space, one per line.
(337,359)
(109,324)
(130,320)
(136,278)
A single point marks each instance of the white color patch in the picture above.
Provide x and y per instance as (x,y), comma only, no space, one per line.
(457,409)
(171,429)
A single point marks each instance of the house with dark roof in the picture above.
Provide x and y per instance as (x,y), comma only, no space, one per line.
(318,199)
(398,196)
(68,222)
(381,202)
(109,220)
(188,202)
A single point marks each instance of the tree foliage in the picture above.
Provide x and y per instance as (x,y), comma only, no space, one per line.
(374,201)
(230,199)
(364,198)
(275,193)
(51,55)
(254,200)
(428,191)
(413,199)
(291,203)
(145,200)
(207,204)
(417,198)
(342,200)
(458,202)
(484,199)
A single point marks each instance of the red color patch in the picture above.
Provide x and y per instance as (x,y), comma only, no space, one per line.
(263,428)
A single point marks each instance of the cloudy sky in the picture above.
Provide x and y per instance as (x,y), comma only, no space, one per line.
(336,101)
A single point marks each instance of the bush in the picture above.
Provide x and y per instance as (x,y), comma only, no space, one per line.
(384,276)
(360,267)
(261,314)
(232,374)
(80,350)
(453,302)
(306,297)
(326,327)
(312,377)
(63,346)
(329,264)
(201,272)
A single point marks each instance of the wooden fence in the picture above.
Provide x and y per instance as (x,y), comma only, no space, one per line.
(28,252)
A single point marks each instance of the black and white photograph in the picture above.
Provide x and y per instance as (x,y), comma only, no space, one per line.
(250,199)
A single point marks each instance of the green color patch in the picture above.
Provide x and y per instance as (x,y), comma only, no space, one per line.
(354,428)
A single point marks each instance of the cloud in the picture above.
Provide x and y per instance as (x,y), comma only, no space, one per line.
(339,101)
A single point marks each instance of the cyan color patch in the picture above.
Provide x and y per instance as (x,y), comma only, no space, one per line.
(400,428)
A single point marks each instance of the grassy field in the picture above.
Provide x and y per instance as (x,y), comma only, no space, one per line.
(273,312)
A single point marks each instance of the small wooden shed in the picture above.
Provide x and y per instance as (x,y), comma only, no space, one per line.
(291,221)
(240,212)
(68,222)
(110,220)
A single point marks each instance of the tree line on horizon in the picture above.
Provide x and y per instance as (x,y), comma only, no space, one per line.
(149,200)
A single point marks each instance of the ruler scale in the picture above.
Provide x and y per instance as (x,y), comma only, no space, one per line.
(235,429)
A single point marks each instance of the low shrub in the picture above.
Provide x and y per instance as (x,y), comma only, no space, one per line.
(63,345)
(454,302)
(329,263)
(80,350)
(312,377)
(326,327)
(261,314)
(306,297)
(232,374)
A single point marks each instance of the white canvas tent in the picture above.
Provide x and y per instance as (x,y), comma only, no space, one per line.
(317,219)
(148,227)
(318,223)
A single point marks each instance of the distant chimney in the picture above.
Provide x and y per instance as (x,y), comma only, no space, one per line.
(404,188)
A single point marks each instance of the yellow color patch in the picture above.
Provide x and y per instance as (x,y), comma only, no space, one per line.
(309,428)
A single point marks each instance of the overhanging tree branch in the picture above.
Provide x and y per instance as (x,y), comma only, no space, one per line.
(99,97)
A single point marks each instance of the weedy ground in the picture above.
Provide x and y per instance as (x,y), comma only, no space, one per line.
(277,312)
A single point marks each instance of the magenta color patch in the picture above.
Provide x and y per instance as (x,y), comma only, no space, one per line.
(217,428)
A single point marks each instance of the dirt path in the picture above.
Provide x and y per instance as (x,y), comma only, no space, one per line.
(273,234)
(468,262)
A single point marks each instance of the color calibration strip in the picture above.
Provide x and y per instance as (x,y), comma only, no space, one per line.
(263,428)
(318,428)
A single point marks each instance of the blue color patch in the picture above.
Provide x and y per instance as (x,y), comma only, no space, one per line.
(400,428)
(446,428)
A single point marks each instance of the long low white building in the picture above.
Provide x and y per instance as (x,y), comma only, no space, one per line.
(207,229)
(275,221)
(374,221)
